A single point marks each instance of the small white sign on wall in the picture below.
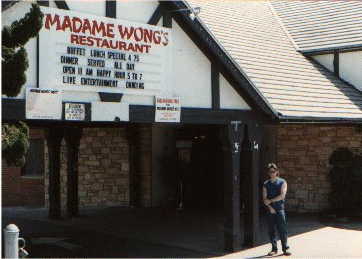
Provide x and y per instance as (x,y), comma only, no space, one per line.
(43,104)
(74,111)
(167,109)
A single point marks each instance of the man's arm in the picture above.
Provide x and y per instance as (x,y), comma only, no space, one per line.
(266,201)
(283,192)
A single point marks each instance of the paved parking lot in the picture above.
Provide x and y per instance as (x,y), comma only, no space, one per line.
(158,233)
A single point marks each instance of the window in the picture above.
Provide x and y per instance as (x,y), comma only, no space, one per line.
(34,163)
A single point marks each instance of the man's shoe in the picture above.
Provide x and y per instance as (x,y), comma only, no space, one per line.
(287,252)
(273,252)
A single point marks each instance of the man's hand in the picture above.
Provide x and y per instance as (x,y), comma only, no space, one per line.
(272,210)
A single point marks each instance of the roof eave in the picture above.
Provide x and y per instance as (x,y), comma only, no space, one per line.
(318,120)
(330,50)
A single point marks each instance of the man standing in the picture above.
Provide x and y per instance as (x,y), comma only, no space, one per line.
(274,191)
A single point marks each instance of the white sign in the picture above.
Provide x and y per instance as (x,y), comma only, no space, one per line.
(75,111)
(167,109)
(43,104)
(84,52)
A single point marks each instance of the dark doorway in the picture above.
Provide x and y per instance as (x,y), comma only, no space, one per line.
(202,174)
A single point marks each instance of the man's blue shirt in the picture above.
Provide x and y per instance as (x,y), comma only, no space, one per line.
(273,190)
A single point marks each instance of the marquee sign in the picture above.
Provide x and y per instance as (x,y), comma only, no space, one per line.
(84,52)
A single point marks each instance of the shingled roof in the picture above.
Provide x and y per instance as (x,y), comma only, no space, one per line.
(296,86)
(316,26)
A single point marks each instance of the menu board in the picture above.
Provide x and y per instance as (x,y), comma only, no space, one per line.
(83,52)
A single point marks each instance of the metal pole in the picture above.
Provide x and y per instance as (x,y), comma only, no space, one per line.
(11,233)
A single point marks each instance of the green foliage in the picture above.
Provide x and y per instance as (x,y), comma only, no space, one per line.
(20,32)
(346,181)
(14,56)
(14,64)
(14,143)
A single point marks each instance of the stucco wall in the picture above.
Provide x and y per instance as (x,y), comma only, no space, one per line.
(302,156)
(350,66)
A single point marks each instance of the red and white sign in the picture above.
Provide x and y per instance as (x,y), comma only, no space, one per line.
(84,52)
(168,109)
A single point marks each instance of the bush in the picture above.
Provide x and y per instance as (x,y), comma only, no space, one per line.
(14,143)
(346,181)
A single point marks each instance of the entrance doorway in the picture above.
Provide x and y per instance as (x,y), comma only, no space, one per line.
(202,174)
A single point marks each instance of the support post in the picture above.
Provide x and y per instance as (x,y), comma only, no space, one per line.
(250,169)
(231,144)
(133,136)
(54,136)
(73,136)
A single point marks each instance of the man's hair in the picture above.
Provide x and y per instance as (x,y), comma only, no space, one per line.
(273,166)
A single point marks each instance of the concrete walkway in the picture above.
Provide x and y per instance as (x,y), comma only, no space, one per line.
(327,242)
(203,231)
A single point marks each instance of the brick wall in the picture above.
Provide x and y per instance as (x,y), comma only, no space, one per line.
(18,190)
(104,178)
(302,157)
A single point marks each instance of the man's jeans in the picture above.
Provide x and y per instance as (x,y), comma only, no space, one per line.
(277,220)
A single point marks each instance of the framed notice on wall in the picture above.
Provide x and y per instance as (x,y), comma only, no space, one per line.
(168,109)
(74,111)
(84,52)
(43,104)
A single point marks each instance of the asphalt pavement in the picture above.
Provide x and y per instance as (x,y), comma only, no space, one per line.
(119,232)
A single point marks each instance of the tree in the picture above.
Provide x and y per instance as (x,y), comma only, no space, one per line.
(14,64)
(14,143)
(14,56)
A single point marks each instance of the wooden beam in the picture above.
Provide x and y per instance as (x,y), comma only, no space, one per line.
(73,135)
(62,5)
(251,190)
(231,150)
(43,3)
(215,86)
(14,109)
(167,18)
(133,137)
(111,8)
(156,16)
(336,63)
(54,136)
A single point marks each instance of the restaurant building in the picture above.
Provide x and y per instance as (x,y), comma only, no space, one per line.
(147,103)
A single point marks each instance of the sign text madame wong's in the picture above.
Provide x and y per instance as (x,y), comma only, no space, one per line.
(102,54)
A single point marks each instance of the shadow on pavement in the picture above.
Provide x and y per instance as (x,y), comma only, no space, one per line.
(124,232)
